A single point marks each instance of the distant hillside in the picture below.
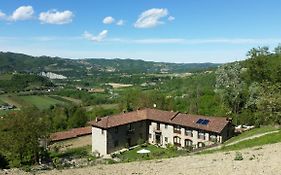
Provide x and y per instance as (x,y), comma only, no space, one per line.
(10,62)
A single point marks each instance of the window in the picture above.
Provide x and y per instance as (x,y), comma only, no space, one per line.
(177,141)
(150,135)
(188,143)
(213,138)
(158,126)
(116,143)
(102,131)
(166,139)
(201,135)
(116,129)
(177,129)
(188,133)
(166,126)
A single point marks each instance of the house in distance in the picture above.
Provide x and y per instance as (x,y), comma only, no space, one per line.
(158,127)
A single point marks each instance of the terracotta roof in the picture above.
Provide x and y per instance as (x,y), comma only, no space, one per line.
(73,133)
(215,124)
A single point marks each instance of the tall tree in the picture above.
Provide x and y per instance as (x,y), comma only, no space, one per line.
(230,86)
(20,135)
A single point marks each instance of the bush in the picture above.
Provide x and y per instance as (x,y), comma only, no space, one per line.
(238,156)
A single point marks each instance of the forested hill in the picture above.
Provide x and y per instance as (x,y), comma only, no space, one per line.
(80,67)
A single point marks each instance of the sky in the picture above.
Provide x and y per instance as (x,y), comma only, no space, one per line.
(182,31)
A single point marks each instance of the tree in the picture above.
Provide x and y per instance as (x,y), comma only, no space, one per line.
(277,50)
(20,135)
(77,119)
(230,86)
(260,51)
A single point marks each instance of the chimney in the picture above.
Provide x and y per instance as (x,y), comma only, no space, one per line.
(98,119)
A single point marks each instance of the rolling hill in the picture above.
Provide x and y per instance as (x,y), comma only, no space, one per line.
(10,62)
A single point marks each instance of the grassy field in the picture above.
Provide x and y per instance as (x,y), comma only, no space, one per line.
(14,100)
(41,102)
(5,76)
(250,133)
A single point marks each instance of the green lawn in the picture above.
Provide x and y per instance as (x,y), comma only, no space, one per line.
(156,153)
(41,102)
(252,132)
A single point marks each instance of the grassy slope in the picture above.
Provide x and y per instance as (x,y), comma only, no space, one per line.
(250,133)
(41,102)
(254,142)
(263,140)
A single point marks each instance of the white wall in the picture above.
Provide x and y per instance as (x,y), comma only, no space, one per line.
(169,133)
(99,141)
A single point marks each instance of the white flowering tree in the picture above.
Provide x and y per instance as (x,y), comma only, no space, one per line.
(230,86)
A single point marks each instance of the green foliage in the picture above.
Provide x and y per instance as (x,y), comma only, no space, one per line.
(20,135)
(77,119)
(238,156)
(22,82)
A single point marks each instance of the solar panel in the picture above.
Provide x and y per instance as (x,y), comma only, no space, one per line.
(199,121)
(202,121)
(205,122)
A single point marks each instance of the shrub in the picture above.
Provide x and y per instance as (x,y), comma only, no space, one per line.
(238,156)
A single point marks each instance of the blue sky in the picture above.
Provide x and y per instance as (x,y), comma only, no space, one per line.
(160,30)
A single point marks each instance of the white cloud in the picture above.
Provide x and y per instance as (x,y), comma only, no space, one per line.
(56,17)
(2,15)
(108,20)
(151,18)
(120,22)
(22,13)
(171,18)
(102,35)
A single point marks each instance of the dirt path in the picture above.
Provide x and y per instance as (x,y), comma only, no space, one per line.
(256,161)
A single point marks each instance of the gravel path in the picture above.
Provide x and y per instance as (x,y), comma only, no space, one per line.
(264,160)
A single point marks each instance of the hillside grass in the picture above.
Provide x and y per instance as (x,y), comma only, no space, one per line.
(254,142)
(14,100)
(6,76)
(259,141)
(41,102)
(250,133)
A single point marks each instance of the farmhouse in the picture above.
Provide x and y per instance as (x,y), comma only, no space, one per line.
(112,133)
(73,138)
